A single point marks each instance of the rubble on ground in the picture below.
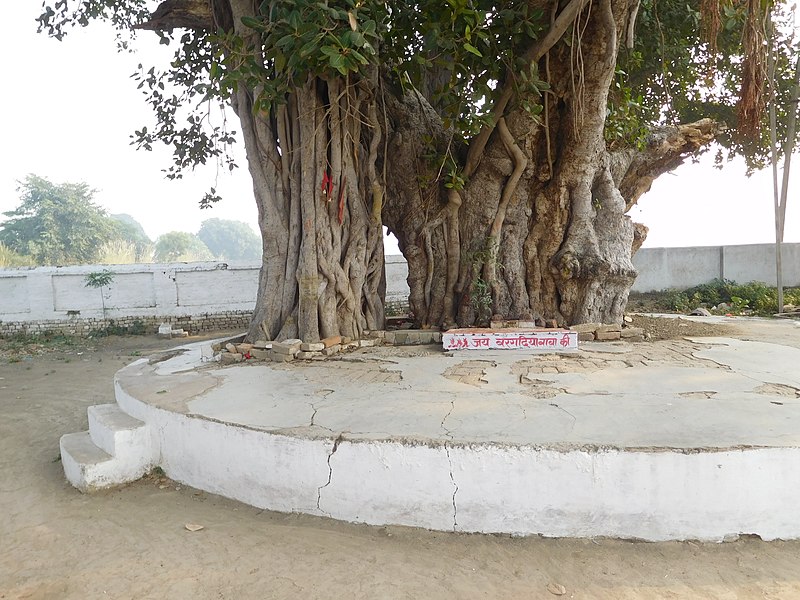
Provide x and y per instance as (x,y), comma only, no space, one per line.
(237,351)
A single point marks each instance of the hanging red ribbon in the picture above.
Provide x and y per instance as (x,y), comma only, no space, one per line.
(327,186)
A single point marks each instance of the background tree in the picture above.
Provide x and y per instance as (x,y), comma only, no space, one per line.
(56,224)
(131,232)
(180,246)
(502,143)
(230,240)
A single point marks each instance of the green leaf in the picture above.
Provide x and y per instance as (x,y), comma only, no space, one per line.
(358,39)
(309,47)
(286,41)
(473,50)
(359,57)
(252,22)
(337,62)
(369,28)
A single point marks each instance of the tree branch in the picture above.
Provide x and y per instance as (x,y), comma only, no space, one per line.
(520,163)
(667,148)
(180,14)
(534,53)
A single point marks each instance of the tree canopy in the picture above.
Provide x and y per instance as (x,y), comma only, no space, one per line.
(681,61)
(57,224)
(131,232)
(179,246)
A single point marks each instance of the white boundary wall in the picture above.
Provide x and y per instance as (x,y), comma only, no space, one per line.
(52,295)
(680,268)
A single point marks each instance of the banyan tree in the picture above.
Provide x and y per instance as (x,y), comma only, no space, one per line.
(502,143)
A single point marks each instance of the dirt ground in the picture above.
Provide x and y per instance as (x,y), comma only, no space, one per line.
(132,542)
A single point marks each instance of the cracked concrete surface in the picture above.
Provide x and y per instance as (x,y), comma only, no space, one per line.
(711,392)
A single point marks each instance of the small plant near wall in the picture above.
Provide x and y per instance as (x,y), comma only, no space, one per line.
(99,280)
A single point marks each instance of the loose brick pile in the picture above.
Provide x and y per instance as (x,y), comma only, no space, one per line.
(600,332)
(236,351)
(587,332)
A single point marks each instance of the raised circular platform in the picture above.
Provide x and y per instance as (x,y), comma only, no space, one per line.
(683,439)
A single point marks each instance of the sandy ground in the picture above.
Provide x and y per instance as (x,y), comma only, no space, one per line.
(132,543)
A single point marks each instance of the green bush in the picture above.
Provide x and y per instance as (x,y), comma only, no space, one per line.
(754,297)
(136,328)
(675,300)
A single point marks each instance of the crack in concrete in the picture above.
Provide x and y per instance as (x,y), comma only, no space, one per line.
(521,406)
(574,419)
(449,434)
(324,393)
(330,472)
(455,489)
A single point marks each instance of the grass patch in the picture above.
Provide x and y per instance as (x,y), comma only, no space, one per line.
(136,328)
(23,346)
(47,339)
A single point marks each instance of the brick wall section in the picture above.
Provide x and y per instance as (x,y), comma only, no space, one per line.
(145,324)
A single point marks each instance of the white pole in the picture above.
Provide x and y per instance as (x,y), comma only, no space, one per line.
(773,137)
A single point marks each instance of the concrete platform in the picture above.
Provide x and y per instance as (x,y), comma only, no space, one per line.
(689,439)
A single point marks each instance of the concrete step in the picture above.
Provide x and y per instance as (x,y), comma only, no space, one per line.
(85,465)
(116,431)
(116,450)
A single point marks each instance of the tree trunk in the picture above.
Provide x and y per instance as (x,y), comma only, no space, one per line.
(319,195)
(539,231)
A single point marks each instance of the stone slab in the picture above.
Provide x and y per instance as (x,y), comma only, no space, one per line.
(290,347)
(607,335)
(585,327)
(259,354)
(312,346)
(229,358)
(278,356)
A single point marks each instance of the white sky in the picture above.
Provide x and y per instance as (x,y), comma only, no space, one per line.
(68,109)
